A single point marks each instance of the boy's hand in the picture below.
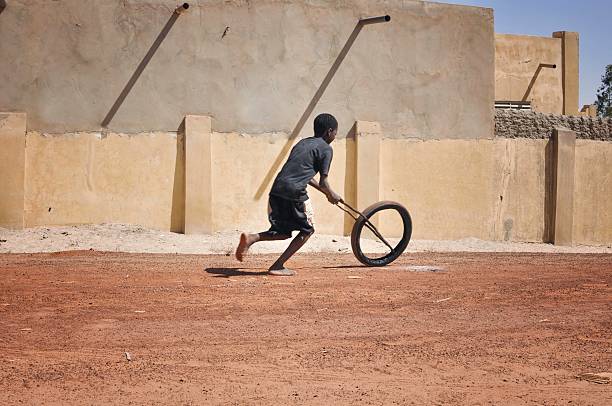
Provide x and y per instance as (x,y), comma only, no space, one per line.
(333,197)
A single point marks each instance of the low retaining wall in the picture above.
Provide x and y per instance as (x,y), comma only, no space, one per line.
(81,178)
(529,124)
(497,189)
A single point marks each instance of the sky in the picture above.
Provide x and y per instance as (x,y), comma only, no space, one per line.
(592,19)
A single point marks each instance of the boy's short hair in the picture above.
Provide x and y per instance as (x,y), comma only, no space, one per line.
(324,122)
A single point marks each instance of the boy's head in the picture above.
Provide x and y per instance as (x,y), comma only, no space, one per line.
(326,127)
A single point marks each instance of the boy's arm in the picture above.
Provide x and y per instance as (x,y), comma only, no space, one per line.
(324,187)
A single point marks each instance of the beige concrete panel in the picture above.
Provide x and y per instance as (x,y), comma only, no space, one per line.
(519,74)
(12,168)
(239,163)
(198,175)
(86,178)
(564,146)
(593,192)
(489,189)
(519,182)
(570,52)
(411,74)
(445,185)
(362,184)
(350,178)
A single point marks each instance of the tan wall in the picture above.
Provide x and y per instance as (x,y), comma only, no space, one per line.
(411,74)
(445,185)
(517,58)
(84,178)
(519,180)
(487,189)
(236,180)
(492,190)
(593,192)
(138,179)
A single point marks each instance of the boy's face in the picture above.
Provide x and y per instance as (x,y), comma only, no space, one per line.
(330,136)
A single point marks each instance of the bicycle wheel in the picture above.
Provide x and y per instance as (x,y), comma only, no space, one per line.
(393,250)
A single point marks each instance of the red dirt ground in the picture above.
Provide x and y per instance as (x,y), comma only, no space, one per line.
(491,329)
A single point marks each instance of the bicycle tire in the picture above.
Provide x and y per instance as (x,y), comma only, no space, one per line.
(399,248)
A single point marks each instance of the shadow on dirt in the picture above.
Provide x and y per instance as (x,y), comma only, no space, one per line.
(345,266)
(227,272)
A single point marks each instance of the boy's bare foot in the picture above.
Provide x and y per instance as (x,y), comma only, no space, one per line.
(281,272)
(243,246)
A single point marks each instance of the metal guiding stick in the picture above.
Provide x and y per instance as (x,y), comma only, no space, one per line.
(368,224)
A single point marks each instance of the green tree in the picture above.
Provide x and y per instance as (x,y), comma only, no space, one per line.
(604,94)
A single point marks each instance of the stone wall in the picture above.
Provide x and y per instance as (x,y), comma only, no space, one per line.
(529,124)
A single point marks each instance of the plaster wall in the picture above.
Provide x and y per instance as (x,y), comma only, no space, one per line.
(236,180)
(487,189)
(593,192)
(517,58)
(520,199)
(460,201)
(65,62)
(493,190)
(85,178)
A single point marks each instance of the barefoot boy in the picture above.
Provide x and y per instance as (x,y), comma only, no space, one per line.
(288,206)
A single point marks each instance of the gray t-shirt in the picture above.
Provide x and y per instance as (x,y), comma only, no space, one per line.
(309,156)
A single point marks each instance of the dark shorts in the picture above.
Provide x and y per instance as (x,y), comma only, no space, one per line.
(287,215)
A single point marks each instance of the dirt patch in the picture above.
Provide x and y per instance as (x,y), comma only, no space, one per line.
(131,238)
(501,328)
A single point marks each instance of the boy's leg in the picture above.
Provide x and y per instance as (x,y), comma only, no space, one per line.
(275,215)
(278,268)
(246,240)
